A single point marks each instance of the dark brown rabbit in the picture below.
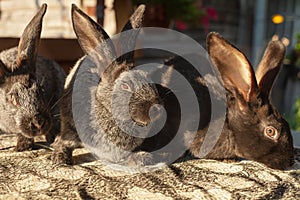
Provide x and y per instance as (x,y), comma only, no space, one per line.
(253,128)
(30,87)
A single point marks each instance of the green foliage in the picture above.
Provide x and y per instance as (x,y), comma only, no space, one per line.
(294,120)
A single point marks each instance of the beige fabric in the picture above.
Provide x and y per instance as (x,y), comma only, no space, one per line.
(30,175)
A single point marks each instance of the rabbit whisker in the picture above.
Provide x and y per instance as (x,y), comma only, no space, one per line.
(56,115)
(62,96)
(166,94)
(48,105)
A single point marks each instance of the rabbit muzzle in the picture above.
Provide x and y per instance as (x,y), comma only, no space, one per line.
(39,124)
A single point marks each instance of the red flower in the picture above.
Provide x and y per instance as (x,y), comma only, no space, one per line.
(211,14)
(181,25)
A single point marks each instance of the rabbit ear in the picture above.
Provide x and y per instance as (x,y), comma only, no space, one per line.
(126,44)
(129,34)
(30,39)
(3,71)
(92,38)
(233,66)
(269,66)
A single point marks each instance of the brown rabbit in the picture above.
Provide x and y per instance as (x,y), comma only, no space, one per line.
(253,128)
(31,85)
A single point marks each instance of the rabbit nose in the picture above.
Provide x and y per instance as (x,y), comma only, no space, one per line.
(37,123)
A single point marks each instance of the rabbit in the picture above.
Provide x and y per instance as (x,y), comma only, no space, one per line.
(31,85)
(253,128)
(119,81)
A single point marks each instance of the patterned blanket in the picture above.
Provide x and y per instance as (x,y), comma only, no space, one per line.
(31,175)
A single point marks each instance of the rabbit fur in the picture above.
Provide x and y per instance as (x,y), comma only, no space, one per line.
(31,85)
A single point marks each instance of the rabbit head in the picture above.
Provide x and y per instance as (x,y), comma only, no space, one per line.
(131,92)
(125,92)
(259,132)
(23,109)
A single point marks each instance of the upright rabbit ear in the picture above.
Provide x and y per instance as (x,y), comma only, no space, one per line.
(233,66)
(269,66)
(126,44)
(3,71)
(30,39)
(92,38)
(129,34)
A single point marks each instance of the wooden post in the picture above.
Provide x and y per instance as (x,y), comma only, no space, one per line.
(123,10)
(100,11)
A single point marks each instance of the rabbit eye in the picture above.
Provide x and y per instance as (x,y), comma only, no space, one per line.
(271,133)
(126,87)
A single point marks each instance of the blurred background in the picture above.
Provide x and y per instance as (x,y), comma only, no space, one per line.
(249,25)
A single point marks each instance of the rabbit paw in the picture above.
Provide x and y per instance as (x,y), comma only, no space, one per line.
(62,157)
(24,143)
(50,137)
